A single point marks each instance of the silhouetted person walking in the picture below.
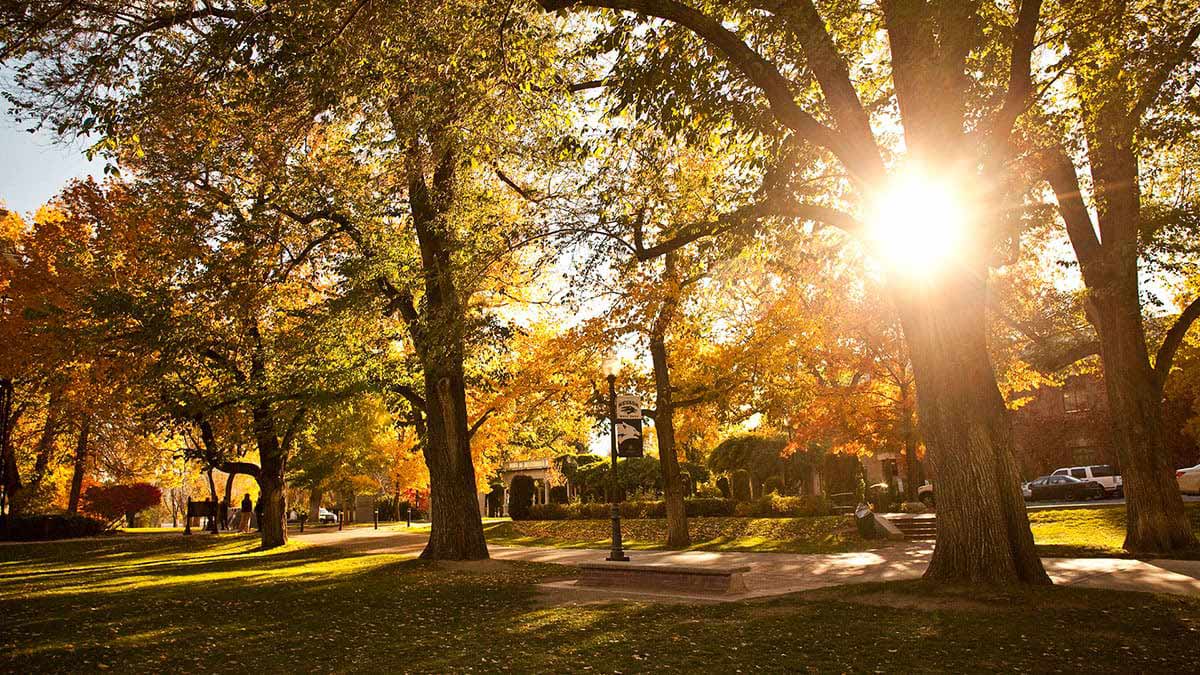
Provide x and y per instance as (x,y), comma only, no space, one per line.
(244,516)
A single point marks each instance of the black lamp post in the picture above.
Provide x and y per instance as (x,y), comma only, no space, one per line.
(610,367)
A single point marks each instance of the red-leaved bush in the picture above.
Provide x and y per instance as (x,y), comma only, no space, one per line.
(114,501)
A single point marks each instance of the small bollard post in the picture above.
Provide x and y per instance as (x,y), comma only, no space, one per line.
(340,514)
(377,519)
(408,515)
(303,517)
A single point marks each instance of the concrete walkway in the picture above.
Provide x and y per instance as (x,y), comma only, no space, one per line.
(779,573)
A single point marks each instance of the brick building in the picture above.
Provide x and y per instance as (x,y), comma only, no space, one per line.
(1070,426)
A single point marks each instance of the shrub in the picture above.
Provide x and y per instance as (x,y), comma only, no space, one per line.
(708,491)
(708,507)
(637,509)
(740,483)
(115,501)
(520,497)
(723,487)
(558,494)
(773,485)
(913,507)
(775,506)
(52,526)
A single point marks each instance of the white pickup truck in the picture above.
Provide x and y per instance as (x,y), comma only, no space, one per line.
(1103,474)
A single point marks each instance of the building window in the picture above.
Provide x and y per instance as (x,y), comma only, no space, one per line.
(1086,455)
(1076,399)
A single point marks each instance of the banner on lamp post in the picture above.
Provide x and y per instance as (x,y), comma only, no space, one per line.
(629,426)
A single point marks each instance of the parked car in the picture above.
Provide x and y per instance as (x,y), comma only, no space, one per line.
(1103,474)
(1189,479)
(326,516)
(925,494)
(1064,487)
(1025,491)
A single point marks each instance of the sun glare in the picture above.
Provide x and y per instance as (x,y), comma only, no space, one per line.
(918,224)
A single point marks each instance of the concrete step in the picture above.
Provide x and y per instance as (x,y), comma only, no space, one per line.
(917,527)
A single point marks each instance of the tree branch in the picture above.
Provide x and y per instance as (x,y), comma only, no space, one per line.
(479,422)
(1154,84)
(409,393)
(1060,172)
(1166,352)
(744,217)
(764,75)
(1020,76)
(829,67)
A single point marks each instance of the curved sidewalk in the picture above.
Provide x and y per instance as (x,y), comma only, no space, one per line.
(779,573)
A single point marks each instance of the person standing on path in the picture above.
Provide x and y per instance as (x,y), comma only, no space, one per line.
(244,516)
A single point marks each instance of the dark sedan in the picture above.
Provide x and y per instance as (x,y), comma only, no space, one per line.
(1064,488)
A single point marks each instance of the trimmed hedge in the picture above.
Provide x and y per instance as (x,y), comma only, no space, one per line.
(48,527)
(771,506)
(520,497)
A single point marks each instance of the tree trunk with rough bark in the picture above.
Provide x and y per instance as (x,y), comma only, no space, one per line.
(45,445)
(983,533)
(664,427)
(272,455)
(314,503)
(81,450)
(437,330)
(1155,520)
(11,482)
(456,527)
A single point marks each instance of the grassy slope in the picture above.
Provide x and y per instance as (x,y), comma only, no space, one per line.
(167,603)
(782,535)
(1089,532)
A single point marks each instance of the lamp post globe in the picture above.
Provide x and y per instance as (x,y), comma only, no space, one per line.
(610,366)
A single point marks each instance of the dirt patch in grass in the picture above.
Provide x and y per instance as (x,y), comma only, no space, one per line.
(488,566)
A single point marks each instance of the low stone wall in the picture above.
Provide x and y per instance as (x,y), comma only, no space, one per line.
(686,579)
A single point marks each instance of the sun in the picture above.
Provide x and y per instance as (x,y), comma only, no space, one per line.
(918,223)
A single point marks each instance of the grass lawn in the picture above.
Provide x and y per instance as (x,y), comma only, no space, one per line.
(1083,533)
(1087,533)
(832,534)
(169,603)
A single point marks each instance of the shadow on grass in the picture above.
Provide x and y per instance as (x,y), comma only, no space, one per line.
(324,609)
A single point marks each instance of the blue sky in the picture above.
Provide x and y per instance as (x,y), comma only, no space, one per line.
(33,168)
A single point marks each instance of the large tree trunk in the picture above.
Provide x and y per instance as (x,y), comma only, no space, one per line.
(664,426)
(982,530)
(456,527)
(81,448)
(11,482)
(272,463)
(314,503)
(1155,518)
(45,445)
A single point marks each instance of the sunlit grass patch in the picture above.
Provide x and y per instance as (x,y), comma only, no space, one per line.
(1090,532)
(833,534)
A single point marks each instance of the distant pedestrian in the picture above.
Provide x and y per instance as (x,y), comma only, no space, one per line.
(244,515)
